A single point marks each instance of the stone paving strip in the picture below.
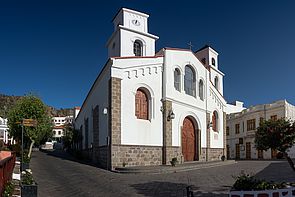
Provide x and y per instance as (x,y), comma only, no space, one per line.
(169,169)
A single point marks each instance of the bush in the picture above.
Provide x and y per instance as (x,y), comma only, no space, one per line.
(247,182)
(8,189)
(27,178)
(16,148)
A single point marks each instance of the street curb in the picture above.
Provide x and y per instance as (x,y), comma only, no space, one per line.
(170,169)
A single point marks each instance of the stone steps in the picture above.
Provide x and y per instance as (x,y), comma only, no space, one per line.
(169,169)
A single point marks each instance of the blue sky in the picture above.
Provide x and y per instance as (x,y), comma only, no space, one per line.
(56,48)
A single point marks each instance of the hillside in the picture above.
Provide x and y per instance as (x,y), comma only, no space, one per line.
(7,102)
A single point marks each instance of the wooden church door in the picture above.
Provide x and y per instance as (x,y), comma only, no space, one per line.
(188,140)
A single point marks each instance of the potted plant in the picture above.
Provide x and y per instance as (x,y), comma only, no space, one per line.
(26,162)
(173,161)
(222,158)
(28,185)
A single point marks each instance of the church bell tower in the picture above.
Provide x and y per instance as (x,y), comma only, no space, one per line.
(130,36)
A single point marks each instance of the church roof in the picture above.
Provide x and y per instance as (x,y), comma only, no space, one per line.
(130,10)
(204,47)
(130,57)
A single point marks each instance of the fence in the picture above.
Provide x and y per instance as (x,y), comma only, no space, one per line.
(6,170)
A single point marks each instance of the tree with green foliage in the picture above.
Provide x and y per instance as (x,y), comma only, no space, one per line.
(30,107)
(72,137)
(278,135)
(68,137)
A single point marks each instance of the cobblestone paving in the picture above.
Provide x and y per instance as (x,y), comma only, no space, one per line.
(58,174)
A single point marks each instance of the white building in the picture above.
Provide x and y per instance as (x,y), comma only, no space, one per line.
(4,135)
(59,123)
(145,108)
(241,129)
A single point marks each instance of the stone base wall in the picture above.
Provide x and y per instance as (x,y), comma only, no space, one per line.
(102,156)
(136,155)
(215,154)
(203,154)
(174,151)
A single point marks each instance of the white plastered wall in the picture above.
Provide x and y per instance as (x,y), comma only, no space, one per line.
(187,105)
(99,95)
(145,73)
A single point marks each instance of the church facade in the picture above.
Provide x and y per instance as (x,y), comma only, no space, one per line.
(146,108)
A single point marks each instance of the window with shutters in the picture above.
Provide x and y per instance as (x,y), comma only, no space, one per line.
(227,130)
(237,128)
(274,117)
(141,105)
(251,125)
(215,121)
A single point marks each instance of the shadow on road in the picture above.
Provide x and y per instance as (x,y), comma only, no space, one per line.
(278,172)
(164,189)
(66,156)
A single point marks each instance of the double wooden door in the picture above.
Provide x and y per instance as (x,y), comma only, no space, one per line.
(188,140)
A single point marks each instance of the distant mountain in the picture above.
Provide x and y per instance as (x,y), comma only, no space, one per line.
(7,102)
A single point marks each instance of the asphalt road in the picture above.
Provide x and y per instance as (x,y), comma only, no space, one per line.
(59,174)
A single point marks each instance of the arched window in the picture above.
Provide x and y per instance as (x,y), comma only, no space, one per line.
(201,90)
(216,82)
(190,81)
(177,79)
(215,121)
(141,105)
(137,48)
(213,61)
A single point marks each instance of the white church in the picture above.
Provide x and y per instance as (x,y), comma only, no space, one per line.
(147,107)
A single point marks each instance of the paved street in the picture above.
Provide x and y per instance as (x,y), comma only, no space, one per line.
(58,174)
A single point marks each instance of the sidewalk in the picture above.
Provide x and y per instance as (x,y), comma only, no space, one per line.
(169,169)
(16,179)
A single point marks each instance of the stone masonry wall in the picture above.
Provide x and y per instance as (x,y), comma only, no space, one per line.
(136,155)
(103,156)
(215,154)
(174,151)
(203,154)
(167,133)
(115,110)
(115,121)
(224,134)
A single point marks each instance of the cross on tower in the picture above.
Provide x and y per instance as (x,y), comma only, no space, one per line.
(190,45)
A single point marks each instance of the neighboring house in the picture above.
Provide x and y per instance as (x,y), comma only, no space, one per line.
(4,135)
(59,123)
(146,108)
(241,127)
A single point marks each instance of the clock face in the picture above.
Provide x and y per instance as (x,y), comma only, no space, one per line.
(136,22)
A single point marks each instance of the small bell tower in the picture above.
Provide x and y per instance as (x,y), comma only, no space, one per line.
(209,57)
(130,36)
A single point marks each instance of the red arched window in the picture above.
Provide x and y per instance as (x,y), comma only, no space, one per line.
(214,121)
(141,105)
